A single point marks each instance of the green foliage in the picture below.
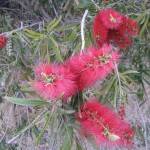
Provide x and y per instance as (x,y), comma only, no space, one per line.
(26,102)
(54,38)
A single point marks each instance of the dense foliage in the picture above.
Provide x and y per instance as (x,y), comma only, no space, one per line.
(47,34)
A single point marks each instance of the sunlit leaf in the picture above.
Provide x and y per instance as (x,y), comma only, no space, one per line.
(33,34)
(53,24)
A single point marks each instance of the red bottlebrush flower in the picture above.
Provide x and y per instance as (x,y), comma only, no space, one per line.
(92,64)
(120,39)
(100,122)
(121,111)
(99,31)
(110,24)
(3,41)
(128,26)
(54,81)
(111,19)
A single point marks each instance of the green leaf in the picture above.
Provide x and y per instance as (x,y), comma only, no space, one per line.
(33,34)
(67,27)
(139,132)
(144,26)
(129,79)
(26,102)
(94,146)
(27,89)
(66,145)
(115,94)
(56,49)
(79,147)
(140,17)
(63,111)
(72,37)
(42,132)
(53,24)
(129,71)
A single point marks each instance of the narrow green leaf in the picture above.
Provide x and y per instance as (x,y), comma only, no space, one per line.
(79,147)
(70,26)
(141,16)
(42,132)
(56,49)
(26,102)
(139,132)
(72,37)
(51,26)
(33,34)
(66,145)
(129,71)
(27,89)
(63,111)
(144,26)
(51,23)
(130,80)
(115,94)
(107,87)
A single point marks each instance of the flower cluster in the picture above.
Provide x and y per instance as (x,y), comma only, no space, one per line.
(100,122)
(54,81)
(121,111)
(78,72)
(3,41)
(82,70)
(92,64)
(109,25)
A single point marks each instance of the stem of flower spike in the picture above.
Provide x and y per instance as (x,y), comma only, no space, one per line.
(82,29)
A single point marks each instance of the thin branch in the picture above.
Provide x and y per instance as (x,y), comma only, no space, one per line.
(26,128)
(82,29)
(21,28)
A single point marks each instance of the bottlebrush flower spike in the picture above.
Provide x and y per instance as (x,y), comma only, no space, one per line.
(111,19)
(54,81)
(100,122)
(128,26)
(3,41)
(99,31)
(92,64)
(121,111)
(119,39)
(110,24)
